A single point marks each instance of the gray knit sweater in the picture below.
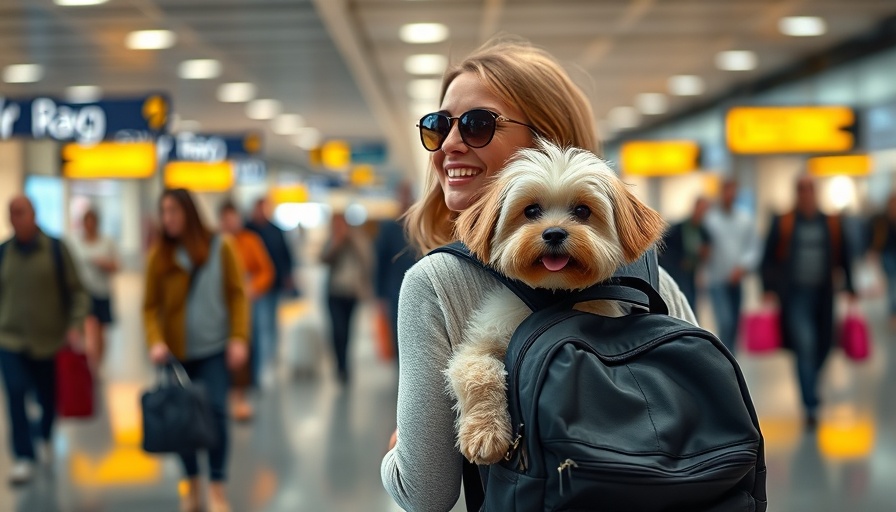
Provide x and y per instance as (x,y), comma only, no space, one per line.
(423,471)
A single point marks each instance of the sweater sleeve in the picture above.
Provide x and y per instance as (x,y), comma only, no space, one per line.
(80,300)
(674,299)
(423,471)
(152,296)
(234,293)
(261,268)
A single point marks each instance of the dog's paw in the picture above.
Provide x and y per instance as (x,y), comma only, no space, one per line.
(484,441)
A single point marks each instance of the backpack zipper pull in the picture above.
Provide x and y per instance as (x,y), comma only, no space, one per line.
(567,465)
(517,445)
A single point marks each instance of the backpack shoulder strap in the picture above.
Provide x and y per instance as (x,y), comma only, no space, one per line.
(474,493)
(59,267)
(534,299)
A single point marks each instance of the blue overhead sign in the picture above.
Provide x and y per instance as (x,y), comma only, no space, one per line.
(84,123)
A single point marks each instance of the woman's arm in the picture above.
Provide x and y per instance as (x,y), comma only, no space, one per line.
(422,472)
(152,300)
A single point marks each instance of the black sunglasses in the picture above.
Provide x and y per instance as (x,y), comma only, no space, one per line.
(477,127)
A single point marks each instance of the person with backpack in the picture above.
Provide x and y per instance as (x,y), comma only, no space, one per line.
(195,310)
(496,101)
(42,308)
(804,251)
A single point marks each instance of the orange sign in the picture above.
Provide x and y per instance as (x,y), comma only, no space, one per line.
(842,165)
(200,176)
(764,130)
(659,158)
(109,160)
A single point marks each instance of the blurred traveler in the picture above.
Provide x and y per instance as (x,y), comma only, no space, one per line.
(511,80)
(883,249)
(686,248)
(803,251)
(264,309)
(42,307)
(394,257)
(734,252)
(97,262)
(349,258)
(195,309)
(258,272)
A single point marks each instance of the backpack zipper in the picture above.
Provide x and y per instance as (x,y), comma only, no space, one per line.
(567,466)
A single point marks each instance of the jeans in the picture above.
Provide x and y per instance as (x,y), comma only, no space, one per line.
(21,375)
(726,300)
(888,261)
(801,322)
(264,333)
(212,373)
(341,309)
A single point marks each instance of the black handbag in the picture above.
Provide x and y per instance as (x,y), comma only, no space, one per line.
(177,414)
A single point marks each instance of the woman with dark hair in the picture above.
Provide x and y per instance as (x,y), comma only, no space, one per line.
(195,310)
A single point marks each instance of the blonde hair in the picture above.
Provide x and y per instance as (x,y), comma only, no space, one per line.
(529,78)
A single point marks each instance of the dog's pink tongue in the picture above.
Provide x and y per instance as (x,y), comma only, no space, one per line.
(555,263)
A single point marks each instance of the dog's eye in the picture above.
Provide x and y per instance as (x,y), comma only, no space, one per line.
(582,212)
(533,211)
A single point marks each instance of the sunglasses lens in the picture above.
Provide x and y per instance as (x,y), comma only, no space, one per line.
(477,127)
(434,130)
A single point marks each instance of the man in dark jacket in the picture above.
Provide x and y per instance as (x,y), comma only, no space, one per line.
(264,308)
(803,252)
(42,307)
(685,248)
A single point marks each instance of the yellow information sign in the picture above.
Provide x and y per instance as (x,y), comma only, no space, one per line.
(336,155)
(841,165)
(109,160)
(200,176)
(659,158)
(289,194)
(764,130)
(362,175)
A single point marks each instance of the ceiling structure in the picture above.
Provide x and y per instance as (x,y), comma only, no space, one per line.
(340,64)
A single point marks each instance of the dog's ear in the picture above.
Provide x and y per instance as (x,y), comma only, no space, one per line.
(637,225)
(476,225)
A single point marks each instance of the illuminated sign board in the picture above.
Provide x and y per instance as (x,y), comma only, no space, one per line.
(109,160)
(211,163)
(765,130)
(200,176)
(840,165)
(659,158)
(84,123)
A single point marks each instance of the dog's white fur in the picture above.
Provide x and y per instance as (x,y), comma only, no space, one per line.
(619,229)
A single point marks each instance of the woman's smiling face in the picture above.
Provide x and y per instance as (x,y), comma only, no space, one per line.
(462,170)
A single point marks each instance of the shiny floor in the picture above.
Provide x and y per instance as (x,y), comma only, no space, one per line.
(315,446)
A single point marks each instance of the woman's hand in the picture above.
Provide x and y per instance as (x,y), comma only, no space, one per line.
(159,353)
(393,440)
(237,353)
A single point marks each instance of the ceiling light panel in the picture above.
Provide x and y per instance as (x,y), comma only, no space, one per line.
(199,69)
(150,39)
(802,26)
(288,124)
(308,138)
(623,118)
(426,64)
(686,85)
(236,92)
(424,89)
(736,60)
(419,33)
(23,73)
(652,103)
(83,93)
(78,3)
(263,109)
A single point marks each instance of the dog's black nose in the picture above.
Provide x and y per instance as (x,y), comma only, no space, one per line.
(554,236)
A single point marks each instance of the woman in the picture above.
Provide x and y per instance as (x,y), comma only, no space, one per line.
(195,310)
(525,93)
(258,278)
(349,257)
(98,261)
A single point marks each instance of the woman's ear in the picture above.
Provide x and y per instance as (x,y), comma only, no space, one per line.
(475,226)
(637,225)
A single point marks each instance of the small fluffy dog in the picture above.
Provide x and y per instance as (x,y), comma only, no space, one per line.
(553,218)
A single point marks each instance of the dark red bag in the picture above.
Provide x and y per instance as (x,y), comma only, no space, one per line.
(854,337)
(74,385)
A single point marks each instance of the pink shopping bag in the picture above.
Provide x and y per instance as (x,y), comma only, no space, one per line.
(762,331)
(854,337)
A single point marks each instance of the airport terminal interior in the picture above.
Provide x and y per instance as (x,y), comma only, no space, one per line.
(313,106)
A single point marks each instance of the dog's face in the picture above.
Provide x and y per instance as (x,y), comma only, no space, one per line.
(558,219)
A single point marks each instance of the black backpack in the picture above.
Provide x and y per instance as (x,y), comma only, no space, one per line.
(642,413)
